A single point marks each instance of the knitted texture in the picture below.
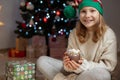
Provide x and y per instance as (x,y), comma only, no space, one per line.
(69,12)
(97,4)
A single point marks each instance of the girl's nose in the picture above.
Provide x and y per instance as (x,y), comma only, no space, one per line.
(87,15)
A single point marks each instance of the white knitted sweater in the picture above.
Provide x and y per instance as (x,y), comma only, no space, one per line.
(101,54)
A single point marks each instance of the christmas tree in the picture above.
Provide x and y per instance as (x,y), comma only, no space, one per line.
(43,17)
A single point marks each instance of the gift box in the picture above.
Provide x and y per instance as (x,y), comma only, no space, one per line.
(35,52)
(11,52)
(21,44)
(16,53)
(40,50)
(58,47)
(20,70)
(37,47)
(61,42)
(30,53)
(20,54)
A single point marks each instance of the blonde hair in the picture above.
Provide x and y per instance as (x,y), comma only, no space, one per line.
(82,33)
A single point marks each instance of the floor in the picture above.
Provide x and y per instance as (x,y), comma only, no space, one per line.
(4,59)
(56,54)
(57,48)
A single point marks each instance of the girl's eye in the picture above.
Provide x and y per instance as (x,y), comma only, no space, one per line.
(93,10)
(82,11)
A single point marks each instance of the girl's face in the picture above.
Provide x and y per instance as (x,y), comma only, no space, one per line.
(89,17)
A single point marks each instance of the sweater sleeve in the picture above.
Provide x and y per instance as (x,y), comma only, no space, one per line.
(108,59)
(109,55)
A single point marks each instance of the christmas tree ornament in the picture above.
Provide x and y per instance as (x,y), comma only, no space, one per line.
(45,19)
(31,22)
(54,38)
(69,11)
(58,13)
(23,25)
(22,4)
(57,17)
(53,30)
(30,6)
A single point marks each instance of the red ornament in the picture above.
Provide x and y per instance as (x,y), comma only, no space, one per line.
(53,30)
(23,25)
(45,19)
(27,3)
(54,39)
(57,13)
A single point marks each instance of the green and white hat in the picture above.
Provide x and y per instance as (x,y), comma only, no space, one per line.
(97,4)
(70,11)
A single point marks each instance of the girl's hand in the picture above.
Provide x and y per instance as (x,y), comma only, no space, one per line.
(66,60)
(75,65)
(71,64)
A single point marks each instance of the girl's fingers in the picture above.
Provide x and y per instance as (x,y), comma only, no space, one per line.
(70,66)
(74,64)
(66,60)
(65,56)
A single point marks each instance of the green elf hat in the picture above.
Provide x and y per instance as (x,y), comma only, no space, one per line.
(97,4)
(69,11)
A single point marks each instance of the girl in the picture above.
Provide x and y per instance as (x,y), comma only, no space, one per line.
(96,42)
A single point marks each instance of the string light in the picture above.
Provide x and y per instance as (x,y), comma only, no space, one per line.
(36,23)
(44,15)
(30,25)
(48,34)
(20,30)
(41,2)
(26,33)
(51,2)
(45,19)
(40,28)
(58,13)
